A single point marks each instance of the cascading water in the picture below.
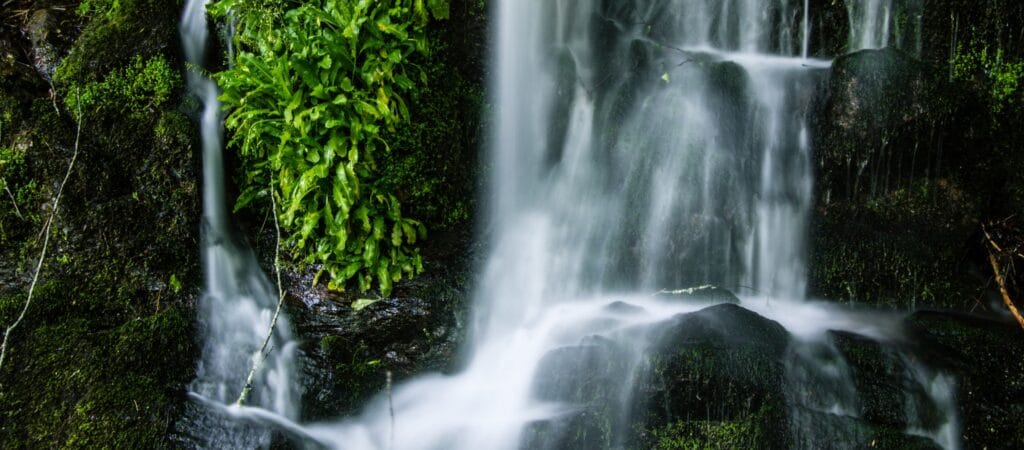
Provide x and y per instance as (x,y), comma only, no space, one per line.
(639,146)
(878,24)
(237,301)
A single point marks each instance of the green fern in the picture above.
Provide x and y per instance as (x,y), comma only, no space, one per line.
(310,92)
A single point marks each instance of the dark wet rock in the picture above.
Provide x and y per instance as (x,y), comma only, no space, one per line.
(985,358)
(106,349)
(964,22)
(893,220)
(820,430)
(719,368)
(878,103)
(902,251)
(348,353)
(723,375)
(830,29)
(590,377)
(878,375)
(40,29)
(720,364)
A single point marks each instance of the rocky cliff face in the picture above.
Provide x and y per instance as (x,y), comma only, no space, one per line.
(915,153)
(108,343)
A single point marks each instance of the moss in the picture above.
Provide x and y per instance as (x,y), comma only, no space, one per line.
(68,385)
(433,161)
(710,434)
(16,187)
(716,369)
(133,29)
(135,90)
(107,346)
(990,385)
(871,251)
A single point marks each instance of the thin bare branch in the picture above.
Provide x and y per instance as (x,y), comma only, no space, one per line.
(14,202)
(1003,291)
(999,277)
(261,356)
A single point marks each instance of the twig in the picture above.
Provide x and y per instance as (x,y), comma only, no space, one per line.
(14,202)
(1002,290)
(991,241)
(280,301)
(46,241)
(53,98)
(999,278)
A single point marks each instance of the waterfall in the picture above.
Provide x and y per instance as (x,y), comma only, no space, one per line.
(638,146)
(878,24)
(237,300)
(869,23)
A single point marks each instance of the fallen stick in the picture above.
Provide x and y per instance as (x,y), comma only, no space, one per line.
(999,276)
(247,389)
(1002,290)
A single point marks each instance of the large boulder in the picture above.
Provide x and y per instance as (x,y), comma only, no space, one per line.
(712,375)
(879,104)
(715,370)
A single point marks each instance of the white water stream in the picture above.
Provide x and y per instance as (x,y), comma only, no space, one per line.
(238,300)
(638,145)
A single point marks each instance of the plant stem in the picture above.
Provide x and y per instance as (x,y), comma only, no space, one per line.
(247,389)
(14,202)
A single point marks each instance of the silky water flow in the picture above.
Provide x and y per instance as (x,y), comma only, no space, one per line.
(237,300)
(638,146)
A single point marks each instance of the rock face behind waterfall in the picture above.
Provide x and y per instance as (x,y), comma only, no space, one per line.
(913,152)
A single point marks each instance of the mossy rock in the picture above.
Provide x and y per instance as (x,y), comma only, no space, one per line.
(878,376)
(992,21)
(115,34)
(723,364)
(982,354)
(878,123)
(349,353)
(68,386)
(830,29)
(902,250)
(590,376)
(709,435)
(103,355)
